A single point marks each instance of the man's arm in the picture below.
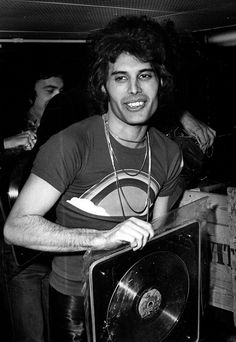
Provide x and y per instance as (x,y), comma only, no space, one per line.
(161,206)
(27,227)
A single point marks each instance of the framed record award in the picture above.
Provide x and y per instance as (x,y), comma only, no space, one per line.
(150,295)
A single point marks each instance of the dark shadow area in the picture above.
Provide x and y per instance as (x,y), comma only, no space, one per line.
(218,326)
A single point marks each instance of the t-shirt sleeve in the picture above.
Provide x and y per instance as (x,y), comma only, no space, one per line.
(58,160)
(173,172)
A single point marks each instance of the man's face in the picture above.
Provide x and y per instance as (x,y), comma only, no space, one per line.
(46,89)
(132,87)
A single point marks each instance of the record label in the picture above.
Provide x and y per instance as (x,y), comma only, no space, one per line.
(149,303)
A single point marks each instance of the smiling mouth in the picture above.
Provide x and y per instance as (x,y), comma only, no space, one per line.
(135,105)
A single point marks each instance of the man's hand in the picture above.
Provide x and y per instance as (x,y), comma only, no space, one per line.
(204,134)
(26,140)
(133,231)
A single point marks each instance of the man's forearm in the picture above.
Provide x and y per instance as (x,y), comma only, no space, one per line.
(37,233)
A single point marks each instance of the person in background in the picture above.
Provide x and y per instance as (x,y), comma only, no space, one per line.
(195,139)
(48,84)
(24,274)
(93,171)
(41,88)
(43,85)
(21,136)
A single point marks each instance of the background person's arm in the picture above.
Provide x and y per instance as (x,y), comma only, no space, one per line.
(204,134)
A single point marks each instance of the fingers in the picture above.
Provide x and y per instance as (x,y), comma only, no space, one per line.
(30,135)
(141,233)
(211,139)
(212,135)
(205,137)
(202,138)
(30,139)
(134,231)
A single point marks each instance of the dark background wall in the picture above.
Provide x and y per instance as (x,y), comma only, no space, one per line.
(18,64)
(206,74)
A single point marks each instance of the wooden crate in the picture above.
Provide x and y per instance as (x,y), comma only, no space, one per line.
(222,253)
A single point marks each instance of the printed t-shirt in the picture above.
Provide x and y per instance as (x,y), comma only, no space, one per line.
(76,161)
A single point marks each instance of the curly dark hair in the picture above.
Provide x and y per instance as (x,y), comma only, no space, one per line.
(139,36)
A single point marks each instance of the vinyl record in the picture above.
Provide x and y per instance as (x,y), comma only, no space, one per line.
(149,299)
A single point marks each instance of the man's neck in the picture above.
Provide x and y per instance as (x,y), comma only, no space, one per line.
(133,136)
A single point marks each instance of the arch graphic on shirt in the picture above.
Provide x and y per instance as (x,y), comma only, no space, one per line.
(104,194)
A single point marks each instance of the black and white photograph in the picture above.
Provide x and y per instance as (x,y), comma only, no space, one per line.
(117,171)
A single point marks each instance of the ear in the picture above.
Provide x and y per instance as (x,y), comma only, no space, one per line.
(103,89)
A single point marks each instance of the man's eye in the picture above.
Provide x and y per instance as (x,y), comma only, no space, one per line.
(120,78)
(145,76)
(50,91)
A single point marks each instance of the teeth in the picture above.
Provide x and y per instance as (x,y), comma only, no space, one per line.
(135,104)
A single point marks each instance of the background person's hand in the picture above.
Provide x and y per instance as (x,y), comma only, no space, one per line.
(204,134)
(26,140)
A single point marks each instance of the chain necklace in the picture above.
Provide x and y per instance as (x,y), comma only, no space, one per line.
(131,174)
(126,140)
(118,186)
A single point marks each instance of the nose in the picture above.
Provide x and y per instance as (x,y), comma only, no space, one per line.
(56,91)
(134,87)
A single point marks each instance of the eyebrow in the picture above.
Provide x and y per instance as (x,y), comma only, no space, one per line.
(126,72)
(51,87)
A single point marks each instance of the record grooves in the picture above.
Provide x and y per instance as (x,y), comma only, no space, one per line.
(151,295)
(149,299)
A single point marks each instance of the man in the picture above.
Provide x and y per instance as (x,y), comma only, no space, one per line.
(107,176)
(46,85)
(171,119)
(43,87)
(24,279)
